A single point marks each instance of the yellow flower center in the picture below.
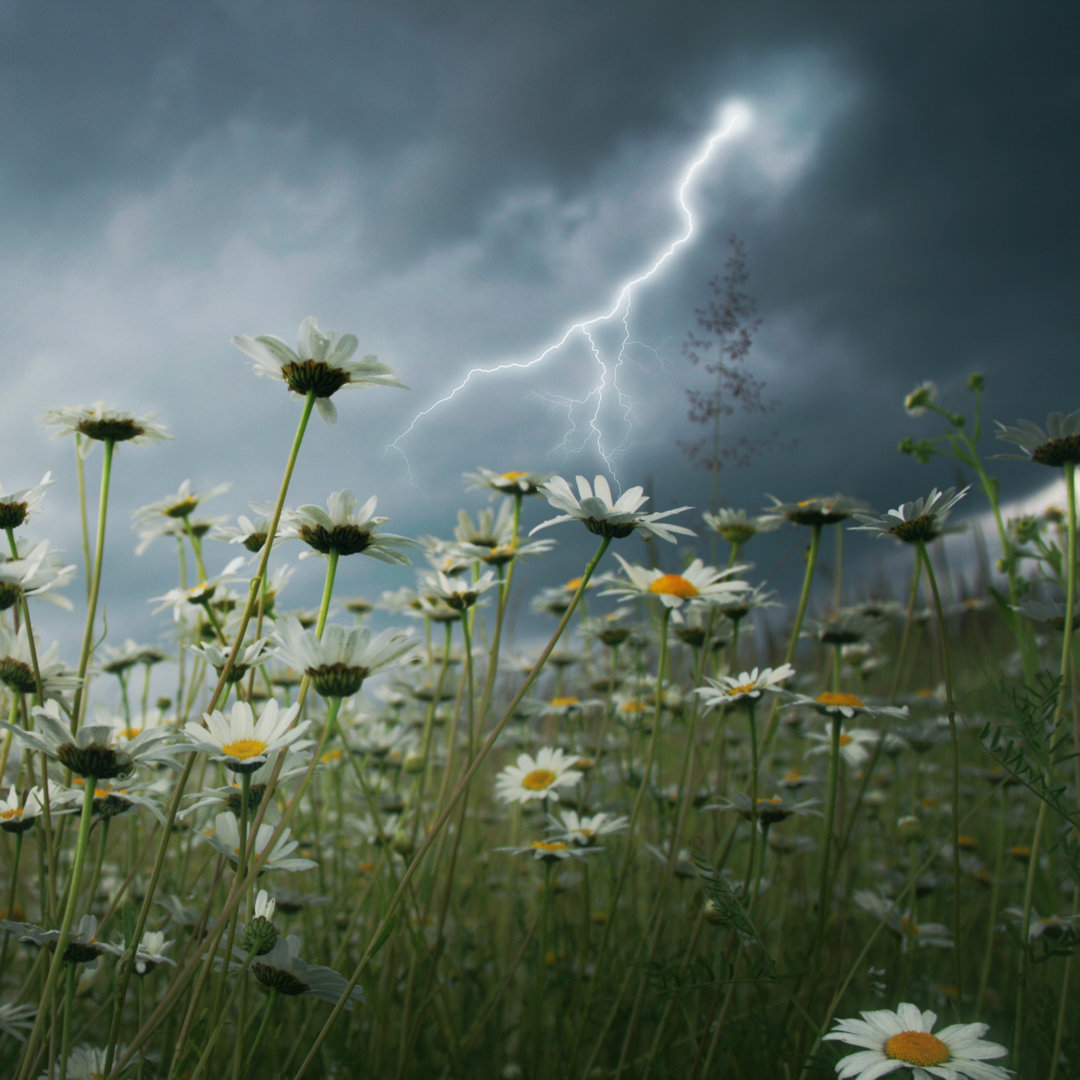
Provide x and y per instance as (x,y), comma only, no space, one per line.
(831,697)
(673,585)
(549,845)
(562,702)
(538,779)
(917,1048)
(514,474)
(572,584)
(745,688)
(775,800)
(845,739)
(242,749)
(11,815)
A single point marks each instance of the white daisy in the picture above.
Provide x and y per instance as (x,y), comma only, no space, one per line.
(854,744)
(536,778)
(346,528)
(458,594)
(584,830)
(339,663)
(225,836)
(94,750)
(242,742)
(748,684)
(34,574)
(320,364)
(17,670)
(903,1039)
(249,656)
(178,506)
(556,850)
(921,520)
(19,505)
(282,969)
(515,482)
(817,511)
(605,516)
(1057,446)
(99,424)
(736,527)
(697,584)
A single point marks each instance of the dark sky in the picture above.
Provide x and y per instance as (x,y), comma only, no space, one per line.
(459,183)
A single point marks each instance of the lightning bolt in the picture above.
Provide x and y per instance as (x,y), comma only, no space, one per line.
(733,118)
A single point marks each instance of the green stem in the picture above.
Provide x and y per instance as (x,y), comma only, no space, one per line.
(45,1002)
(955,744)
(793,643)
(79,706)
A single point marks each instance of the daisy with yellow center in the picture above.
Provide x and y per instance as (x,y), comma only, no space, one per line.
(855,744)
(904,1039)
(747,685)
(842,703)
(537,777)
(698,583)
(513,482)
(242,742)
(550,851)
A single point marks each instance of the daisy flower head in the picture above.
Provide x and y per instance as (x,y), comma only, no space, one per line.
(249,656)
(34,574)
(240,741)
(185,601)
(585,829)
(84,1063)
(553,850)
(251,533)
(1059,445)
(19,505)
(457,593)
(16,1020)
(748,685)
(738,529)
(94,750)
(537,777)
(281,969)
(698,583)
(854,744)
(17,816)
(321,364)
(99,424)
(605,516)
(225,837)
(175,507)
(17,665)
(339,663)
(345,528)
(919,521)
(151,952)
(839,702)
(83,946)
(904,1039)
(515,482)
(817,511)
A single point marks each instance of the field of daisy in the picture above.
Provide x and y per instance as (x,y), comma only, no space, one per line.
(707,831)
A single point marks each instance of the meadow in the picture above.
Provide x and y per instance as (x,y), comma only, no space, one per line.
(706,831)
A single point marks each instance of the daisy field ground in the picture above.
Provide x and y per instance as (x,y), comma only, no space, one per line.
(681,841)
